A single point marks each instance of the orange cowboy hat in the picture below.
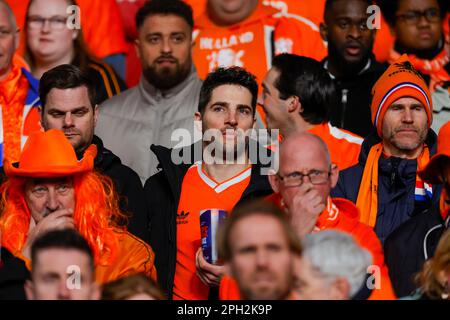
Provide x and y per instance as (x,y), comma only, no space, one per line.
(431,173)
(49,154)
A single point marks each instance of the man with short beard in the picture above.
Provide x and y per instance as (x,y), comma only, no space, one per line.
(259,246)
(350,62)
(384,184)
(167,95)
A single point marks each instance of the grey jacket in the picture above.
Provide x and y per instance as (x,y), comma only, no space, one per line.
(141,116)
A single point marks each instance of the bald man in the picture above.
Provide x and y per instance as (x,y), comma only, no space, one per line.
(302,187)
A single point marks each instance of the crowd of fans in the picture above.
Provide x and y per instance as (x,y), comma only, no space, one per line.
(319,129)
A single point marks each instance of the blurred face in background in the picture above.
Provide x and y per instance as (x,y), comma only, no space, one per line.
(164,47)
(9,39)
(347,33)
(49,38)
(418,25)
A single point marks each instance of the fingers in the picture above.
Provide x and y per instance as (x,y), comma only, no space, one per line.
(208,273)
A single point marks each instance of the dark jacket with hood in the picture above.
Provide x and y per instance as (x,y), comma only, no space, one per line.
(396,186)
(352,109)
(162,191)
(13,274)
(408,247)
(128,186)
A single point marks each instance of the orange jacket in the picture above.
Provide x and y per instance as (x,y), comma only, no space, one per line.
(344,146)
(134,256)
(253,42)
(345,219)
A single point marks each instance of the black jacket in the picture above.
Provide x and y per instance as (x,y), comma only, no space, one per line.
(128,186)
(13,274)
(352,109)
(408,247)
(396,186)
(162,191)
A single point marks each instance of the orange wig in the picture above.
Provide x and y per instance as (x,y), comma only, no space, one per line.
(95,216)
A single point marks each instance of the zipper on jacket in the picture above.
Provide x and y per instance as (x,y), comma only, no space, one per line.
(344,100)
(394,162)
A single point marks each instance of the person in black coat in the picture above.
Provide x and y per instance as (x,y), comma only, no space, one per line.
(408,247)
(350,63)
(13,274)
(68,96)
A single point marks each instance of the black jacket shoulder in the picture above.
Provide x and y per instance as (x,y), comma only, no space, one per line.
(410,245)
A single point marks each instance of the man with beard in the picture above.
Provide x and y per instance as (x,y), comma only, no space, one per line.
(258,247)
(408,247)
(197,179)
(350,62)
(167,95)
(384,184)
(68,104)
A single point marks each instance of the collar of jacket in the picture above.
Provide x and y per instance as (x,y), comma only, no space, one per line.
(151,93)
(261,11)
(104,157)
(371,66)
(373,138)
(174,173)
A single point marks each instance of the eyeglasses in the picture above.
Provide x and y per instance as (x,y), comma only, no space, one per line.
(56,22)
(295,179)
(414,16)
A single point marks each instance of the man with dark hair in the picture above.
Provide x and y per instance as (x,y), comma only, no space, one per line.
(350,62)
(68,96)
(258,246)
(418,26)
(297,94)
(201,181)
(167,95)
(62,268)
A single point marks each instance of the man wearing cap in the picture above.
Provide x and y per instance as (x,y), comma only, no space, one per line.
(384,183)
(415,241)
(51,189)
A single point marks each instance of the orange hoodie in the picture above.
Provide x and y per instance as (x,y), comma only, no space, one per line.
(341,215)
(253,42)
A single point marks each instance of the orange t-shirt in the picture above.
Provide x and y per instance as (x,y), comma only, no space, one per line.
(344,146)
(253,42)
(200,192)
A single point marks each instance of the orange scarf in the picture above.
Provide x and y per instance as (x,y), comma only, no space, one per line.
(13,93)
(434,67)
(367,201)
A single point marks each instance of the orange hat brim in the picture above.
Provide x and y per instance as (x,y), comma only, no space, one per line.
(84,165)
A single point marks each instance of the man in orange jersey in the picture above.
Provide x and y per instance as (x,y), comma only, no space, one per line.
(247,33)
(302,188)
(384,184)
(297,94)
(350,62)
(258,247)
(51,189)
(63,268)
(183,189)
(19,98)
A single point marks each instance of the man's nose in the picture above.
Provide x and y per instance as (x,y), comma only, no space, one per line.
(52,201)
(68,120)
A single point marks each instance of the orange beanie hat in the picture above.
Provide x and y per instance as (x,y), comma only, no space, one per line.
(399,80)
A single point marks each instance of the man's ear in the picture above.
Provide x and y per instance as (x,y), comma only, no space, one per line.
(96,291)
(137,44)
(274,182)
(340,289)
(294,105)
(28,286)
(334,175)
(17,39)
(324,31)
(96,113)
